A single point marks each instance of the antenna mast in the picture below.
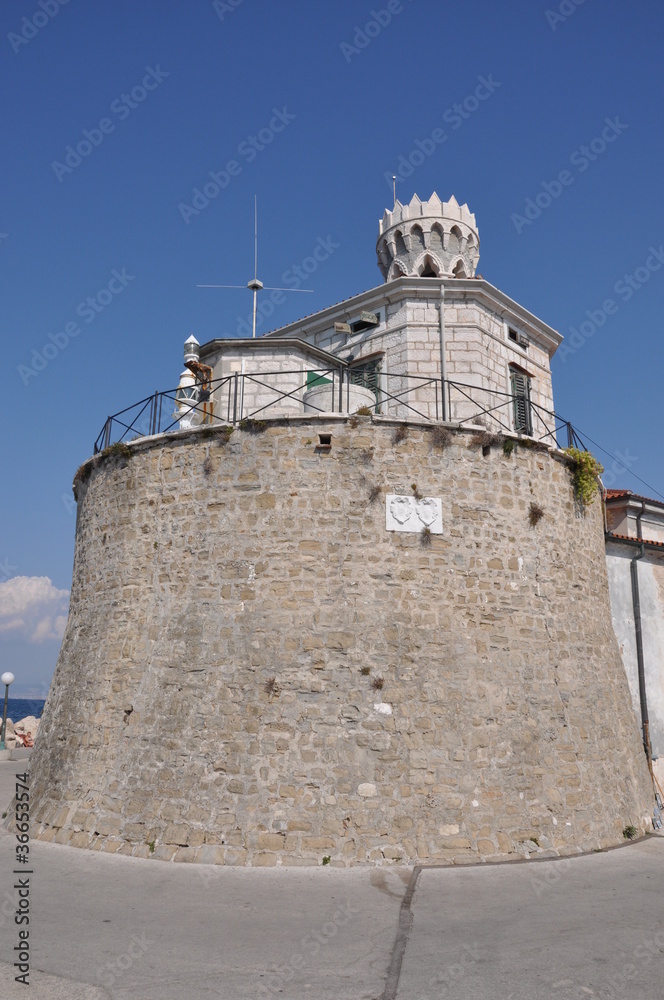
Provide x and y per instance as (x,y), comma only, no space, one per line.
(256,285)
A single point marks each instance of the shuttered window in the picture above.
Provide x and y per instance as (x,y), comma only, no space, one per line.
(520,386)
(366,375)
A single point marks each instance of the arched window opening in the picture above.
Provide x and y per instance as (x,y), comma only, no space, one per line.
(454,242)
(417,238)
(428,268)
(436,239)
(399,240)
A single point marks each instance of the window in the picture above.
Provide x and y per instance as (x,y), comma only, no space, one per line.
(521,409)
(367,321)
(518,338)
(367,374)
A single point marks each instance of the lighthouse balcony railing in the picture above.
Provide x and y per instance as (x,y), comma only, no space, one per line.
(251,396)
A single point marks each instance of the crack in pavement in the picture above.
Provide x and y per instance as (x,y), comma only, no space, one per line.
(401,940)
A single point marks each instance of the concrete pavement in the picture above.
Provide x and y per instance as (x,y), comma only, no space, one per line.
(110,927)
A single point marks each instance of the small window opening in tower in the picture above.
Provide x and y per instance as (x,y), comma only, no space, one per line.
(459,270)
(367,321)
(428,269)
(417,237)
(518,338)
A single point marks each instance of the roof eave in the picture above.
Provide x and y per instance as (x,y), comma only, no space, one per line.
(392,290)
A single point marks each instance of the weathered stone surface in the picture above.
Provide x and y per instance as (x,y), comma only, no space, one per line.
(238,632)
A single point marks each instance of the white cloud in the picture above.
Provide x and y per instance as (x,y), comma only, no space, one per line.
(33,609)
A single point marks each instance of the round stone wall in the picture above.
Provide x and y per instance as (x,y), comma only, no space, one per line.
(255,671)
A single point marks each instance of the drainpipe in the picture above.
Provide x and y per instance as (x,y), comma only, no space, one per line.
(443,361)
(636,603)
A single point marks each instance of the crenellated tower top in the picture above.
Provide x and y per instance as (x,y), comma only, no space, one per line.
(429,239)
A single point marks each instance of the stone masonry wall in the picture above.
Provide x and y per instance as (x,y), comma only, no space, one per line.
(255,671)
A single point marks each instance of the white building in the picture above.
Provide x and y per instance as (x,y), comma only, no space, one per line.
(435,341)
(635,563)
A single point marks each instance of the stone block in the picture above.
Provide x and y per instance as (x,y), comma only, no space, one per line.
(270,841)
(209,855)
(108,826)
(186,854)
(264,860)
(235,857)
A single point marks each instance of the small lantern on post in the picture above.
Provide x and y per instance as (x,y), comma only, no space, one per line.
(186,398)
(7,679)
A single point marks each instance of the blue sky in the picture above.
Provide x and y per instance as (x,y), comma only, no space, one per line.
(171,91)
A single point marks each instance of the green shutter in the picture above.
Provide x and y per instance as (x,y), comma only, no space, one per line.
(366,375)
(521,401)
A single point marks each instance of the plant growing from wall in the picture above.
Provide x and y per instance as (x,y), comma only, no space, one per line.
(416,493)
(585,472)
(207,466)
(253,426)
(377,683)
(271,686)
(118,450)
(509,444)
(425,536)
(630,832)
(374,493)
(535,514)
(365,671)
(364,411)
(400,434)
(485,440)
(441,437)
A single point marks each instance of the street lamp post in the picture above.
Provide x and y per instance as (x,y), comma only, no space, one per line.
(7,679)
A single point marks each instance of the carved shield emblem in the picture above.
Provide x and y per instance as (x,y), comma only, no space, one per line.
(426,510)
(401,509)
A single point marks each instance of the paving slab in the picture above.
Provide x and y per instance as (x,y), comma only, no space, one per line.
(582,927)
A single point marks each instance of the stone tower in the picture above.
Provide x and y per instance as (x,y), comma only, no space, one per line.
(431,238)
(306,628)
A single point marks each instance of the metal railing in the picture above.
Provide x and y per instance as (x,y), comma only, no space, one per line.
(243,396)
